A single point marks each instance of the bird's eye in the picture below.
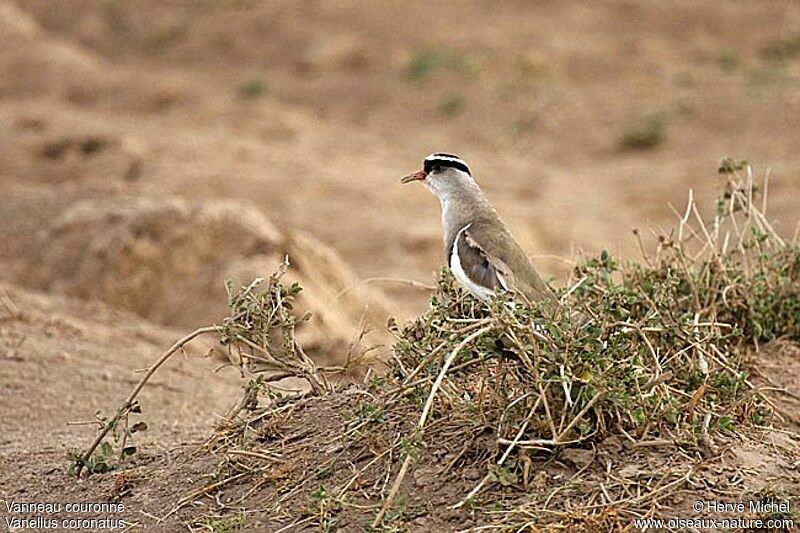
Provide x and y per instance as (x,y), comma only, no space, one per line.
(437,168)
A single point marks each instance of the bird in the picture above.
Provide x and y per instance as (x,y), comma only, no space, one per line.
(481,252)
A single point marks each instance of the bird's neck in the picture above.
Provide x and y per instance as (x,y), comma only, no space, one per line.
(461,207)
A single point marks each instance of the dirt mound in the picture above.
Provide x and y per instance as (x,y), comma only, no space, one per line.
(166,259)
(31,61)
(332,489)
(295,471)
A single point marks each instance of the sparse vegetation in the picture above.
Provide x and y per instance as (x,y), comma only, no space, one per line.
(252,89)
(452,104)
(523,126)
(784,48)
(260,336)
(730,165)
(728,60)
(766,75)
(112,454)
(650,350)
(648,134)
(112,424)
(424,64)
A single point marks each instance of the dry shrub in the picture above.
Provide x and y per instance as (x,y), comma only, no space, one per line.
(649,348)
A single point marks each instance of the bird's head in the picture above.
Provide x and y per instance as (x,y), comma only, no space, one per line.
(443,174)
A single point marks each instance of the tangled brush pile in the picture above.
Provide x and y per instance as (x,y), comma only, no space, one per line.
(650,349)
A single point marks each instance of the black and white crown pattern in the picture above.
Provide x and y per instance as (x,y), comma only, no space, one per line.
(441,159)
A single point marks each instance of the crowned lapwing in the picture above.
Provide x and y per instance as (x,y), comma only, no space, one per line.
(481,252)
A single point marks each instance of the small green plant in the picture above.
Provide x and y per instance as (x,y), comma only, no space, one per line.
(648,134)
(730,165)
(318,497)
(224,524)
(371,413)
(523,127)
(260,332)
(323,473)
(424,64)
(726,423)
(400,513)
(411,446)
(325,506)
(452,105)
(728,60)
(111,455)
(252,89)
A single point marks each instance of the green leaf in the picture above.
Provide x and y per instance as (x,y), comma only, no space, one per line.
(106,449)
(504,476)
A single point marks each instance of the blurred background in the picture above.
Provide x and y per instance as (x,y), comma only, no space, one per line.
(150,149)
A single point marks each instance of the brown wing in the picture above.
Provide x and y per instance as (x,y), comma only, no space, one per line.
(476,263)
(508,259)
